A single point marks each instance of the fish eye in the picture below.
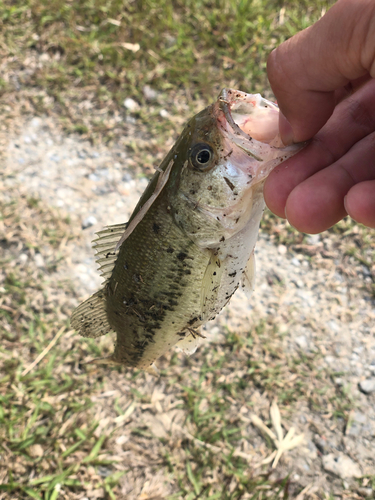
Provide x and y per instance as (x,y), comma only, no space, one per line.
(201,156)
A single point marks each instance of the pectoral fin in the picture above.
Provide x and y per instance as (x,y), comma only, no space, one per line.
(248,276)
(210,286)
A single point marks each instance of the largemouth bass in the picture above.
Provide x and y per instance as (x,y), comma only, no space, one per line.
(189,244)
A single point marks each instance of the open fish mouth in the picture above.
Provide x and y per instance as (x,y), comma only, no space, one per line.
(251,118)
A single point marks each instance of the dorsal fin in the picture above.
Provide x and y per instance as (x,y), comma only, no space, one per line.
(105,246)
(149,197)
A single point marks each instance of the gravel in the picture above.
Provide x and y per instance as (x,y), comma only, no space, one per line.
(367,386)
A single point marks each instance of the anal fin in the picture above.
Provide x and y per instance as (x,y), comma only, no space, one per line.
(189,344)
(153,370)
(90,317)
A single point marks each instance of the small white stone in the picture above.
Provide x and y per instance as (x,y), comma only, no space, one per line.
(282,249)
(39,261)
(89,221)
(23,258)
(131,104)
(36,122)
(341,465)
(164,113)
(333,326)
(313,239)
(122,439)
(302,342)
(367,386)
(36,450)
(149,93)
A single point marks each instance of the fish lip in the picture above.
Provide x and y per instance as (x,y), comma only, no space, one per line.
(224,105)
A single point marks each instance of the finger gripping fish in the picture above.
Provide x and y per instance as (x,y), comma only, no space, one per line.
(189,243)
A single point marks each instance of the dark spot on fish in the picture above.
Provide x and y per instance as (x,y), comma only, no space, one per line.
(209,188)
(182,256)
(156,228)
(192,321)
(192,191)
(187,271)
(237,219)
(110,253)
(214,273)
(222,238)
(232,275)
(170,250)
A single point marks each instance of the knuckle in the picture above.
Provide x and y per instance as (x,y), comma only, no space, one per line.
(361,114)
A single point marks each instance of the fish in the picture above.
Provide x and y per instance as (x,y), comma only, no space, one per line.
(189,243)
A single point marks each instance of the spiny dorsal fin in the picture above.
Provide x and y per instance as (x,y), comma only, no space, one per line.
(105,246)
(90,317)
(137,216)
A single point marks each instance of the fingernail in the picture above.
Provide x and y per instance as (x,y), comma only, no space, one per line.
(286,216)
(345,204)
(286,131)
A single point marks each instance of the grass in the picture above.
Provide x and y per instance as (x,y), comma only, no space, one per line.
(44,432)
(78,61)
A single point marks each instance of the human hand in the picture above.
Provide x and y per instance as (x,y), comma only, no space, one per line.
(323,80)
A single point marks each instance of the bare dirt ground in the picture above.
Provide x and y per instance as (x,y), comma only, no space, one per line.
(308,332)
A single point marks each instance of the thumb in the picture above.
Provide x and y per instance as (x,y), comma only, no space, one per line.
(305,71)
